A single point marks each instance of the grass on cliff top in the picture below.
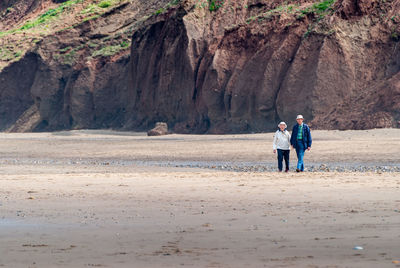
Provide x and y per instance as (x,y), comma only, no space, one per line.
(44,18)
(320,9)
(16,41)
(324,5)
(51,15)
(98,8)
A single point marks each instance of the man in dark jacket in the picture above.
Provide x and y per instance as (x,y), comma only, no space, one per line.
(301,141)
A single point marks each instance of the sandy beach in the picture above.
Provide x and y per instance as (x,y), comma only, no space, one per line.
(121,199)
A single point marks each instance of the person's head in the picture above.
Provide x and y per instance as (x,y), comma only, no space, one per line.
(282,126)
(299,119)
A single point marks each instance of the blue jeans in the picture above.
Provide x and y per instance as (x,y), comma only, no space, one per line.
(283,154)
(300,149)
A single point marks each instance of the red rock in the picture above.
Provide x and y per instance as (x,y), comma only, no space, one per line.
(216,72)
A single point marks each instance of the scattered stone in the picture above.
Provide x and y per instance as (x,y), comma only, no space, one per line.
(160,129)
(35,246)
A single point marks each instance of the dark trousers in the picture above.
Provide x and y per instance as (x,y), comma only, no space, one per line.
(283,154)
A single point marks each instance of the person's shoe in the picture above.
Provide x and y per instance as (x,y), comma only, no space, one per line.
(298,170)
(287,170)
(279,170)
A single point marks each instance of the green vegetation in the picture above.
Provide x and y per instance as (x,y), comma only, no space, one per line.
(309,30)
(9,54)
(69,58)
(107,38)
(160,11)
(44,18)
(92,45)
(214,5)
(200,5)
(168,6)
(9,9)
(324,5)
(50,14)
(98,8)
(65,49)
(105,4)
(91,18)
(107,51)
(111,50)
(24,36)
(94,11)
(268,14)
(320,8)
(5,54)
(125,44)
(90,9)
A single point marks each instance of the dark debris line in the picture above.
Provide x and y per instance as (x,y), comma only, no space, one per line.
(211,165)
(271,167)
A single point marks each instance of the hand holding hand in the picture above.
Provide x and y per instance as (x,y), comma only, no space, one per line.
(274,151)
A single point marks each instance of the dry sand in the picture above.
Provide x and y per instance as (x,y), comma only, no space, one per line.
(114,199)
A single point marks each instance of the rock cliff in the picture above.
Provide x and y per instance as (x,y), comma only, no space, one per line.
(202,66)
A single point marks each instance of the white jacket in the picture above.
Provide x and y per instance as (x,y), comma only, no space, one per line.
(281,140)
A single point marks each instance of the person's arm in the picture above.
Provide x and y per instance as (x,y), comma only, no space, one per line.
(274,142)
(292,137)
(309,138)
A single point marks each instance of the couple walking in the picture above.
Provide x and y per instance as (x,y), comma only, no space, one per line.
(300,140)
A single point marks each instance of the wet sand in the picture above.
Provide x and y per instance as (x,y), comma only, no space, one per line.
(118,199)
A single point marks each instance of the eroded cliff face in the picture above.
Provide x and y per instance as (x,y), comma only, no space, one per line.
(242,66)
(76,75)
(251,64)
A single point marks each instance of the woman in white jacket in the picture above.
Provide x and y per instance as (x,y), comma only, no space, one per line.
(282,145)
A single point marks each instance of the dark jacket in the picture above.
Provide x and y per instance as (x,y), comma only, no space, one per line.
(307,140)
